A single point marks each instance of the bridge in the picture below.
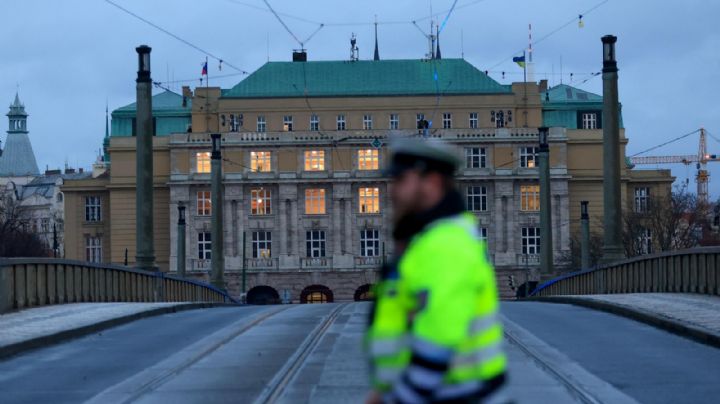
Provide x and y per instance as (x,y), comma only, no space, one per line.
(642,330)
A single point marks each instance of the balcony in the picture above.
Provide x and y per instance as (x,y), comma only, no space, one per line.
(368,262)
(528,259)
(200,265)
(316,262)
(261,263)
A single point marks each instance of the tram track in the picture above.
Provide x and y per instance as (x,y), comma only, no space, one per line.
(273,392)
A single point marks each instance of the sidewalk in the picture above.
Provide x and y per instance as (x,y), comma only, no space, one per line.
(39,326)
(690,315)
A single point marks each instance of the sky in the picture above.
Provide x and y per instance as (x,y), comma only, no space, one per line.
(69,58)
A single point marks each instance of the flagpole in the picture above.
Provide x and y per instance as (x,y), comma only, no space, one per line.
(524,68)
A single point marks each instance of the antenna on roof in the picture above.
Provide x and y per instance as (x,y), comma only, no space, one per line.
(354,50)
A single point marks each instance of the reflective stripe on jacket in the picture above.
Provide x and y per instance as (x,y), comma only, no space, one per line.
(435,333)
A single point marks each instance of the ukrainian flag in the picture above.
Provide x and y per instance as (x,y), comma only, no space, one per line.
(520,60)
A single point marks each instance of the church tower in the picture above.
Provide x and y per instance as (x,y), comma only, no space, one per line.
(17,158)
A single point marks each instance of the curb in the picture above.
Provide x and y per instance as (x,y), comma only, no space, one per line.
(696,334)
(64,335)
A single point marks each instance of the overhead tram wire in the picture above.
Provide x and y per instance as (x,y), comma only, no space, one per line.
(190,44)
(553,32)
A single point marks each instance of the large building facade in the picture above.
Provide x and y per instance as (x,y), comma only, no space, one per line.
(306,209)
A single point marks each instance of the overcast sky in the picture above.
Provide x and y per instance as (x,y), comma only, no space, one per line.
(68,57)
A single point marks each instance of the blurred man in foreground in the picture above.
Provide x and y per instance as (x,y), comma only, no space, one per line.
(434,335)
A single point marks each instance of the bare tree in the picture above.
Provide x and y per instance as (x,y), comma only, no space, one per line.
(665,223)
(15,238)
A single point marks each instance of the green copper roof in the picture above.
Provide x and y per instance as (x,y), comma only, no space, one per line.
(165,103)
(169,115)
(564,93)
(564,104)
(365,78)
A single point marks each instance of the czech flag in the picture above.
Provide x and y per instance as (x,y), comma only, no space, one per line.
(204,70)
(520,60)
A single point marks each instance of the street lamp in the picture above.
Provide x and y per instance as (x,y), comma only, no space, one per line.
(608,42)
(215,146)
(143,52)
(543,138)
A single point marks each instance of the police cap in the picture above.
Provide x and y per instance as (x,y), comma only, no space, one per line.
(425,155)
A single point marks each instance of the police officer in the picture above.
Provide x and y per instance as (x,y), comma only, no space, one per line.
(434,335)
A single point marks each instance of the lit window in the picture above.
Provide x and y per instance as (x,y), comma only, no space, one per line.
(589,120)
(204,203)
(341,122)
(528,157)
(368,159)
(93,209)
(260,202)
(369,243)
(369,200)
(204,245)
(288,123)
(315,243)
(367,122)
(314,122)
(530,240)
(315,160)
(473,120)
(530,197)
(93,249)
(261,244)
(261,126)
(475,157)
(260,161)
(477,199)
(394,121)
(447,120)
(203,162)
(315,201)
(642,195)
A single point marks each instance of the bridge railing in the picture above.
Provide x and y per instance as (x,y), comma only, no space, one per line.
(28,282)
(695,270)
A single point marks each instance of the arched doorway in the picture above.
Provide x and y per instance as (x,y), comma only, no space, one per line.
(316,294)
(263,295)
(364,293)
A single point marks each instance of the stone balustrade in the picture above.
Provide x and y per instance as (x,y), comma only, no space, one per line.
(26,282)
(695,270)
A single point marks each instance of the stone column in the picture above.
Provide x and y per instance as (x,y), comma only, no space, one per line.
(546,237)
(348,226)
(585,234)
(612,246)
(144,247)
(217,260)
(181,241)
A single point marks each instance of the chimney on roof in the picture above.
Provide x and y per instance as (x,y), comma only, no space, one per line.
(186,93)
(69,170)
(80,170)
(543,86)
(299,55)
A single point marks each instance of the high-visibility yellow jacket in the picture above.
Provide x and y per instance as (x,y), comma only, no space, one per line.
(435,334)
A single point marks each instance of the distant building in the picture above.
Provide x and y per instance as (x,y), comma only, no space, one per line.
(307,213)
(17,159)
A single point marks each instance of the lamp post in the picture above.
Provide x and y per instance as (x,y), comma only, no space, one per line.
(585,236)
(612,238)
(144,249)
(546,245)
(217,258)
(181,241)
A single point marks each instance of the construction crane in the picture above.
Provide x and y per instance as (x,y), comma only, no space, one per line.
(701,159)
